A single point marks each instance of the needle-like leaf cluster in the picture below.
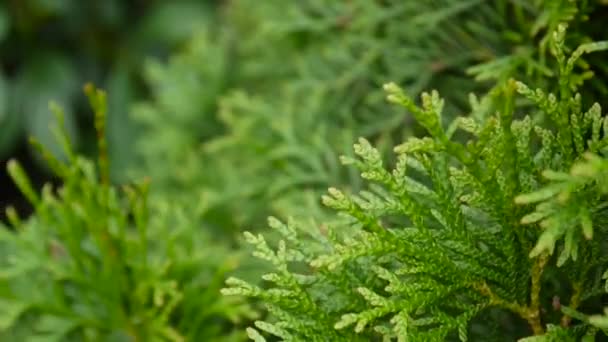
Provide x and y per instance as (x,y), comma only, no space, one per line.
(98,263)
(490,227)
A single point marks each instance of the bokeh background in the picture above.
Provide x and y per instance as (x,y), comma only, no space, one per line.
(49,49)
(219,92)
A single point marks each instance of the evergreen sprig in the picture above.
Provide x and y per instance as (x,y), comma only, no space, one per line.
(445,245)
(98,263)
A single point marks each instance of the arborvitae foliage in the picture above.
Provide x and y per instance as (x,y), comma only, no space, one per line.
(97,263)
(256,112)
(489,228)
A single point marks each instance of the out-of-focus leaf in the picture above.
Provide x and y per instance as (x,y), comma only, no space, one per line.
(10,312)
(51,7)
(10,122)
(47,78)
(112,13)
(4,23)
(121,130)
(174,22)
(3,99)
(53,328)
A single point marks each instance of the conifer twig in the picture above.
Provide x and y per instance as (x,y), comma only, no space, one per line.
(575,301)
(531,312)
(534,309)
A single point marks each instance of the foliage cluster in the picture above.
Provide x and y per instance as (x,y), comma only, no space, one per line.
(483,226)
(97,263)
(468,237)
(258,131)
(50,48)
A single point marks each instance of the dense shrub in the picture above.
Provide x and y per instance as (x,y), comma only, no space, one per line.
(447,244)
(258,130)
(97,263)
(488,223)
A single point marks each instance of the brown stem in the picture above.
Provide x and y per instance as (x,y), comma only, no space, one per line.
(521,310)
(530,313)
(537,272)
(575,301)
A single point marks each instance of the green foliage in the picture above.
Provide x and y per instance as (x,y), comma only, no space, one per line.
(97,263)
(49,48)
(445,245)
(487,226)
(257,130)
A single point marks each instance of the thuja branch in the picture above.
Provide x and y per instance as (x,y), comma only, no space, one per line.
(97,100)
(534,313)
(531,312)
(462,230)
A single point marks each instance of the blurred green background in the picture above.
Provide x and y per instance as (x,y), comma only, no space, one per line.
(206,96)
(50,48)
